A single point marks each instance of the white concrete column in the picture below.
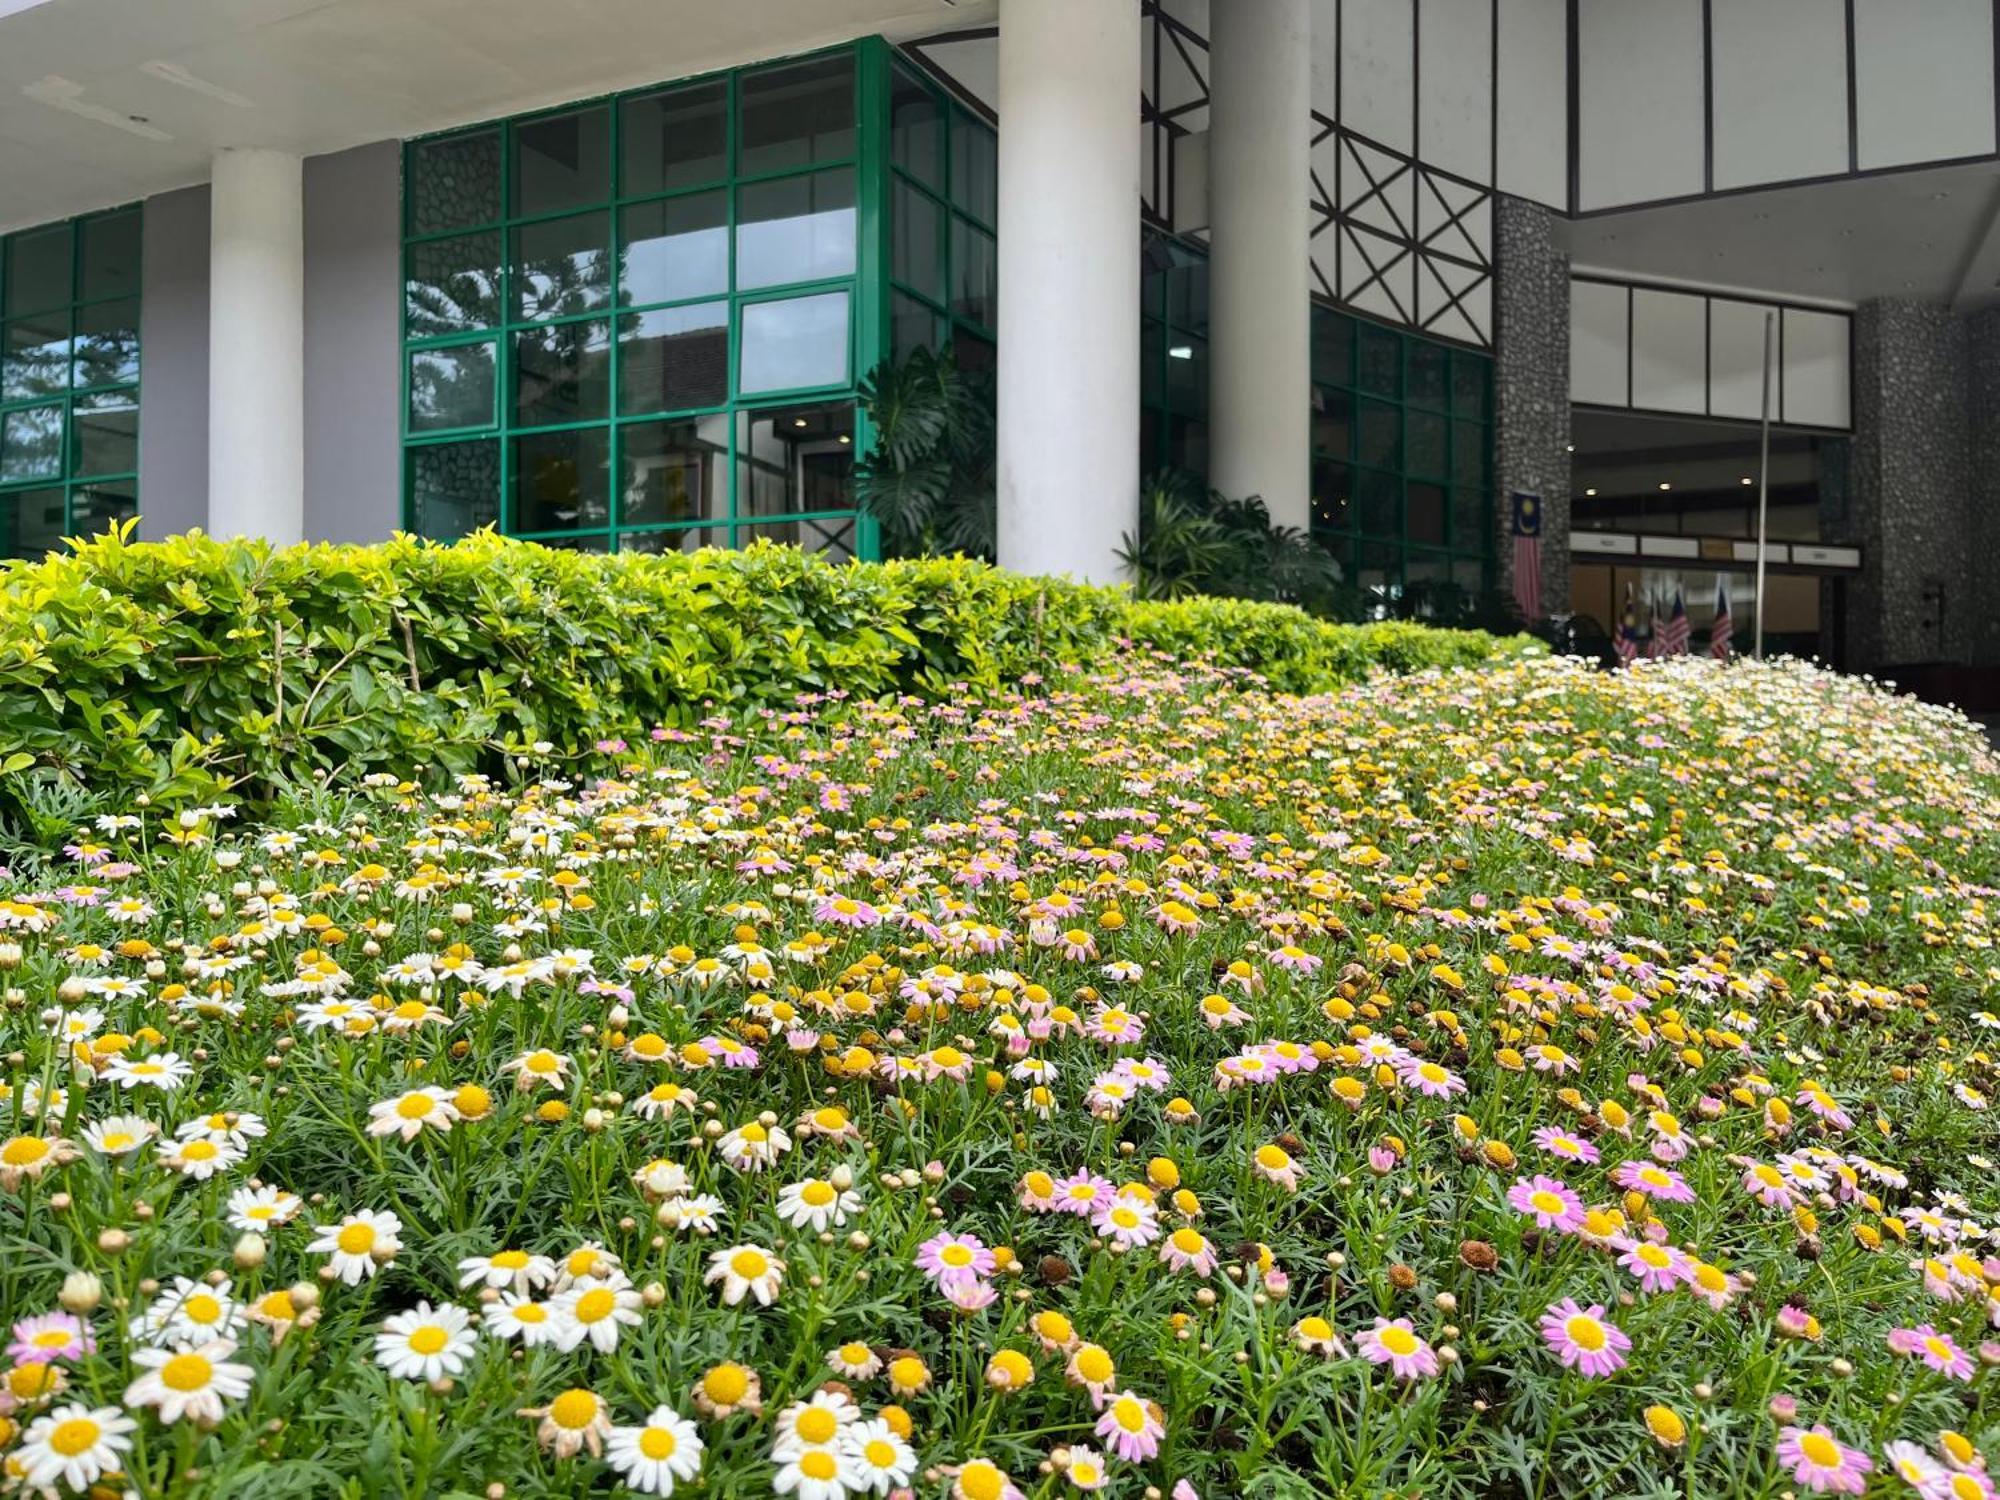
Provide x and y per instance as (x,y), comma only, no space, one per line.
(256,346)
(1069,285)
(1259,270)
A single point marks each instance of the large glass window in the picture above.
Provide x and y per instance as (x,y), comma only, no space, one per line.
(69,380)
(617,313)
(943,264)
(1402,460)
(1173,356)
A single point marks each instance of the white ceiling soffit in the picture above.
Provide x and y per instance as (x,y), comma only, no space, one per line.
(103,101)
(1933,235)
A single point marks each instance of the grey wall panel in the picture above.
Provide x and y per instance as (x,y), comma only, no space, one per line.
(1455,86)
(1533,108)
(354,343)
(1378,70)
(1780,104)
(1923,79)
(1639,101)
(173,364)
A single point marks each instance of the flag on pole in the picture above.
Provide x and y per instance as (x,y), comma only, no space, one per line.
(1656,630)
(1627,643)
(1724,627)
(1677,629)
(1527,529)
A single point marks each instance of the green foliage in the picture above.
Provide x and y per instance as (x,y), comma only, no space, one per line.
(185,667)
(1193,540)
(928,480)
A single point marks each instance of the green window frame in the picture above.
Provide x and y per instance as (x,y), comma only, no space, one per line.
(1402,475)
(639,336)
(69,379)
(943,266)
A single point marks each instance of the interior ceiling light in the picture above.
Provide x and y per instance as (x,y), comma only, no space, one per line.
(1181,351)
(1590,492)
(1748,480)
(1664,485)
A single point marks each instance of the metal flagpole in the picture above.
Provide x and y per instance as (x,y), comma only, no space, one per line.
(1763,478)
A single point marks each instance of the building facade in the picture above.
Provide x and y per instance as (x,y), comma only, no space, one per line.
(611,275)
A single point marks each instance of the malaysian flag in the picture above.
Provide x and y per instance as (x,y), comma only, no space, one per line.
(1720,631)
(1656,630)
(1627,643)
(1677,629)
(1527,529)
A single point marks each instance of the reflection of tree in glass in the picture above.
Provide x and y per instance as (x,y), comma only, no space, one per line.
(568,278)
(453,286)
(37,360)
(31,443)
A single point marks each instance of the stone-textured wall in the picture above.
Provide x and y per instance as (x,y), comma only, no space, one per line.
(1531,386)
(1982,347)
(1911,482)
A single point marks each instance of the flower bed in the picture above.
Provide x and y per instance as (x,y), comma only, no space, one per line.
(1515,1083)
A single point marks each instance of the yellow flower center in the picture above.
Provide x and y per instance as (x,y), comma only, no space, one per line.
(429,1339)
(186,1372)
(413,1106)
(1129,1414)
(198,1151)
(816,1425)
(595,1306)
(1094,1365)
(725,1384)
(530,1312)
(749,1264)
(1585,1332)
(879,1453)
(202,1308)
(1273,1158)
(981,1481)
(510,1260)
(1822,1452)
(356,1239)
(658,1444)
(955,1255)
(24,1151)
(1545,1201)
(575,1409)
(817,1194)
(77,1435)
(819,1464)
(1398,1341)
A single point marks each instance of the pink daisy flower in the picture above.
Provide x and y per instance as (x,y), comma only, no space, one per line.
(1430,1079)
(1654,1181)
(1938,1350)
(845,911)
(1583,1340)
(948,1257)
(1821,1462)
(1083,1194)
(1397,1345)
(1548,1202)
(1132,1427)
(49,1337)
(1561,1143)
(1188,1249)
(1659,1268)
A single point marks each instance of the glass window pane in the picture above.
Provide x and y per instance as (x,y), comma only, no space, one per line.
(673,471)
(797,115)
(98,507)
(1427,373)
(1471,520)
(1425,443)
(575,543)
(972,354)
(1381,360)
(1187,374)
(975,275)
(34,356)
(1380,513)
(562,373)
(673,249)
(1469,452)
(795,459)
(562,161)
(454,488)
(106,438)
(1187,444)
(1152,363)
(454,182)
(1187,296)
(31,522)
(912,325)
(452,285)
(31,444)
(563,266)
(1332,496)
(673,358)
(1380,435)
(452,387)
(1332,347)
(795,229)
(975,168)
(916,241)
(794,344)
(561,480)
(107,343)
(916,129)
(1469,576)
(679,539)
(37,270)
(110,256)
(1469,384)
(832,537)
(1426,514)
(1333,422)
(675,138)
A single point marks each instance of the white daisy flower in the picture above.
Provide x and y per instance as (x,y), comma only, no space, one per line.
(119,1135)
(506,1269)
(359,1243)
(594,1311)
(745,1270)
(192,1382)
(515,1317)
(426,1343)
(74,1444)
(257,1210)
(408,1114)
(653,1458)
(879,1457)
(817,1204)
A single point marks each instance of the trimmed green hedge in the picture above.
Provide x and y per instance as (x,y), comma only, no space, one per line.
(181,667)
